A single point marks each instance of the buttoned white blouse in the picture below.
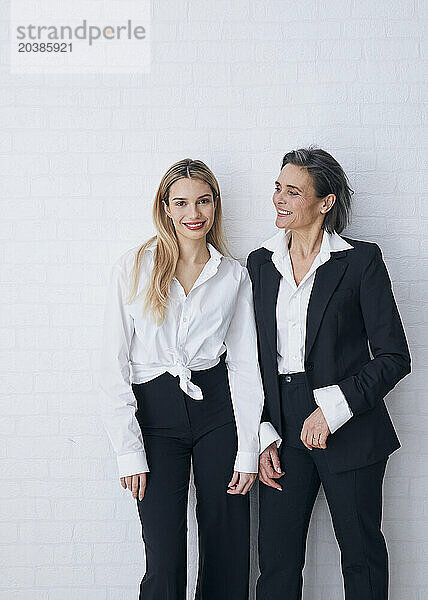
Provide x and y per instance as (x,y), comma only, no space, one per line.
(216,316)
(291,312)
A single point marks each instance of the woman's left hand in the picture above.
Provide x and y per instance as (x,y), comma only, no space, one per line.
(315,430)
(241,483)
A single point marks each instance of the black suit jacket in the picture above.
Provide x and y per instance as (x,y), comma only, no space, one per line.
(351,307)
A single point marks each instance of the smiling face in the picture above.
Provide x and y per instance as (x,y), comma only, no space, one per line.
(295,199)
(191,207)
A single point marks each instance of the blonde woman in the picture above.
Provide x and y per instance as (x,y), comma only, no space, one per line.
(180,382)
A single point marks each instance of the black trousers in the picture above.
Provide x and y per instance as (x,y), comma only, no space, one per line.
(177,429)
(355,503)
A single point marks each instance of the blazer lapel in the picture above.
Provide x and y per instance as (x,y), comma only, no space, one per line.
(269,285)
(327,278)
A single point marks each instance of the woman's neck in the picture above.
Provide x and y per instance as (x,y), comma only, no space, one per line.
(305,243)
(193,252)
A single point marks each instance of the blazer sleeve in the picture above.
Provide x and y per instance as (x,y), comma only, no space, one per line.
(391,357)
(267,432)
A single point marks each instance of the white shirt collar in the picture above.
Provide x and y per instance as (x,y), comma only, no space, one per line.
(281,256)
(215,254)
(331,242)
(210,268)
(213,263)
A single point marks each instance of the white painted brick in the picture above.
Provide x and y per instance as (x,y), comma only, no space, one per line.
(164,76)
(46,425)
(51,489)
(92,141)
(391,49)
(341,115)
(25,594)
(78,592)
(249,74)
(376,71)
(124,553)
(10,186)
(381,10)
(372,93)
(25,509)
(16,577)
(99,531)
(25,118)
(186,52)
(66,554)
(71,403)
(92,509)
(395,487)
(287,11)
(74,186)
(408,552)
(403,114)
(158,96)
(271,52)
(222,10)
(334,49)
(398,592)
(44,186)
(363,28)
(322,71)
(45,532)
(237,85)
(402,574)
(86,446)
(64,575)
(5,142)
(410,71)
(24,163)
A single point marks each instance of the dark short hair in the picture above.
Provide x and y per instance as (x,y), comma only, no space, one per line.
(328,177)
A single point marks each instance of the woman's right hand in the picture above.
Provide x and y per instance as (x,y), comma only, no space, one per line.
(270,466)
(135,484)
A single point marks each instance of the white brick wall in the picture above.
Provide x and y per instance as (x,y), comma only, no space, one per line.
(235,84)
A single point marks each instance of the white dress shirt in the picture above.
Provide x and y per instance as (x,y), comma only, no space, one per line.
(216,316)
(291,312)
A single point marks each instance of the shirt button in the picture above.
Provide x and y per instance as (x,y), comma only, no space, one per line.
(184,319)
(294,357)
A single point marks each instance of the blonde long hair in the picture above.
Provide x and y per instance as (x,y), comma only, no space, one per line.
(167,249)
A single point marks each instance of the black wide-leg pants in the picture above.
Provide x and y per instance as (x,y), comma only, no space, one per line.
(177,430)
(355,503)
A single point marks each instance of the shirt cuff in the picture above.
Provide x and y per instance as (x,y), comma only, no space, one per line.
(268,435)
(246,462)
(334,406)
(132,463)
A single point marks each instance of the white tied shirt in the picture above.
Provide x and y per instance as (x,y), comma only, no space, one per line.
(216,316)
(291,312)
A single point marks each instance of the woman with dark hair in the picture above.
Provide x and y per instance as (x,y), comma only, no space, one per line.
(180,313)
(322,301)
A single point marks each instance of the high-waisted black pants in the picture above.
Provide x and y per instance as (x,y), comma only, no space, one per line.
(177,430)
(354,499)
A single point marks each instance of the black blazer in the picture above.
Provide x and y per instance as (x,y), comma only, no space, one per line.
(351,304)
